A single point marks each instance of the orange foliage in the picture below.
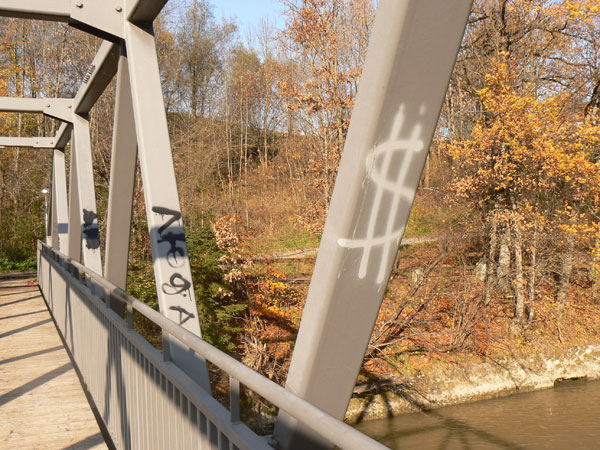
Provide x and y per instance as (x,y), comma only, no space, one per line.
(531,155)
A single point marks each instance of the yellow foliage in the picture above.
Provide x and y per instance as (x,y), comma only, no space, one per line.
(530,154)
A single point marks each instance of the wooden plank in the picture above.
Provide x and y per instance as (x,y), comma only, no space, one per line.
(42,404)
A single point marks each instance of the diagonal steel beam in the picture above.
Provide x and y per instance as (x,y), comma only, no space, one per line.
(63,135)
(86,193)
(98,76)
(122,181)
(172,271)
(409,62)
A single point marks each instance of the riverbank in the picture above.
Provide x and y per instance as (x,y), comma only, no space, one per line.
(466,381)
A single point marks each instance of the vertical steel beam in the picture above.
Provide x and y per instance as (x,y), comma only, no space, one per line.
(47,214)
(84,173)
(74,247)
(409,62)
(59,215)
(52,221)
(167,237)
(122,180)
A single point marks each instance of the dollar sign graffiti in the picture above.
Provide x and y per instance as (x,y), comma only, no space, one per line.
(389,183)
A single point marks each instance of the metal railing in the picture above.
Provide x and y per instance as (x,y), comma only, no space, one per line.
(145,400)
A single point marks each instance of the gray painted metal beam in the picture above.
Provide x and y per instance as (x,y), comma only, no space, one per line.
(32,142)
(55,10)
(105,16)
(59,221)
(59,108)
(409,62)
(52,237)
(122,181)
(63,135)
(88,214)
(102,18)
(172,272)
(144,11)
(74,247)
(99,75)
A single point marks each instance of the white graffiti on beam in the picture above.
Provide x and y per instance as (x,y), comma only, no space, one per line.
(380,176)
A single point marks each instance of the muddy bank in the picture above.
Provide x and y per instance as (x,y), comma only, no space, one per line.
(463,383)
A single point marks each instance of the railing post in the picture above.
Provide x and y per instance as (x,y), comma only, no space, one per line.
(234,400)
(130,316)
(105,296)
(166,350)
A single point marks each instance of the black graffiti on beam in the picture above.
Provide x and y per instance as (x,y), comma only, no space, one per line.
(90,230)
(171,238)
(184,314)
(176,285)
(175,216)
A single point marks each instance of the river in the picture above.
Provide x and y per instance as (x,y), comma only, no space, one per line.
(565,417)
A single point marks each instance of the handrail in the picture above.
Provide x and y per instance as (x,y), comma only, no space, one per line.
(330,428)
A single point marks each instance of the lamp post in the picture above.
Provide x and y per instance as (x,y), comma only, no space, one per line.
(45,192)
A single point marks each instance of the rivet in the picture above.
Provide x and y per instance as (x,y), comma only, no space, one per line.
(79,4)
(118,9)
(69,106)
(48,105)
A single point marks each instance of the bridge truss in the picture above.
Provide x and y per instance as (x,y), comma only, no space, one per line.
(409,61)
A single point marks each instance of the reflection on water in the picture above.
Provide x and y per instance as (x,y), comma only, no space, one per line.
(566,417)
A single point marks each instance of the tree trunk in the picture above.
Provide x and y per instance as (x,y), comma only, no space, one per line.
(491,259)
(565,274)
(503,271)
(533,269)
(596,269)
(518,284)
(229,145)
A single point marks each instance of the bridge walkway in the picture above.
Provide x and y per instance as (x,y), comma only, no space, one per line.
(42,403)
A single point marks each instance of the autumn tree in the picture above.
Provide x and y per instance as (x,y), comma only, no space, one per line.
(202,43)
(327,39)
(529,168)
(525,81)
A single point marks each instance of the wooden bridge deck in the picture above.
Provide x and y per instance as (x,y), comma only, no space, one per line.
(42,404)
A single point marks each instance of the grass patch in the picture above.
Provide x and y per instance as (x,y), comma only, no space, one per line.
(290,237)
(26,265)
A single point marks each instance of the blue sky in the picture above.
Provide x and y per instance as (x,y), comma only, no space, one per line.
(249,12)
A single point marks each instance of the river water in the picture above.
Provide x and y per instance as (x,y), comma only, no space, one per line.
(565,417)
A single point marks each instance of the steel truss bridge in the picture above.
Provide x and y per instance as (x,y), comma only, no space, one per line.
(151,399)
